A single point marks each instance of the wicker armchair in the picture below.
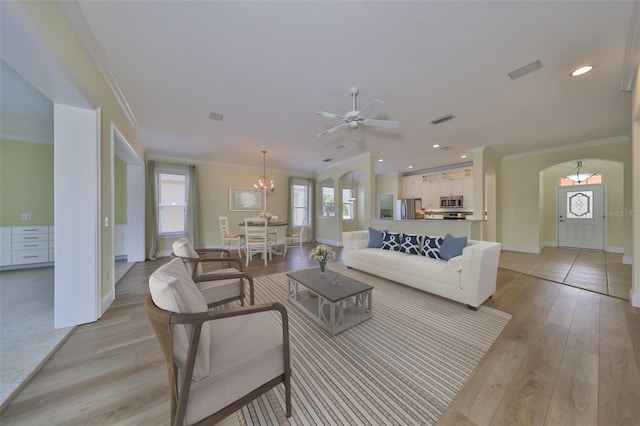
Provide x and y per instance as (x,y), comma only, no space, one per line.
(220,286)
(218,360)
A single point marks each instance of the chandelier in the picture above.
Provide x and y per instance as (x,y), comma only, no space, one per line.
(353,196)
(264,182)
(580,174)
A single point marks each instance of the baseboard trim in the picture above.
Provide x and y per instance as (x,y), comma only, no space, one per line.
(612,249)
(634,298)
(329,242)
(107,300)
(550,244)
(626,260)
(521,249)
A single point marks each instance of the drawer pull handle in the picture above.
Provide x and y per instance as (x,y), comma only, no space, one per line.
(30,238)
(30,257)
(30,229)
(30,245)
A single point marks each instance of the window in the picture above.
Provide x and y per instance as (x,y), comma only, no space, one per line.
(328,201)
(299,204)
(347,205)
(172,203)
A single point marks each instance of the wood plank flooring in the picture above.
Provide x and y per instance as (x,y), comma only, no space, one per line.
(568,356)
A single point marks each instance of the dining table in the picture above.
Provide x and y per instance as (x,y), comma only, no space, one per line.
(272,224)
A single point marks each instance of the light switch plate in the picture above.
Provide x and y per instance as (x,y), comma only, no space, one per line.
(25,216)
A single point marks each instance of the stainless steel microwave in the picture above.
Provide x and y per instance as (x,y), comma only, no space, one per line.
(451,202)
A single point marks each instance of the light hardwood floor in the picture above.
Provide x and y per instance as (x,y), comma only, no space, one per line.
(568,356)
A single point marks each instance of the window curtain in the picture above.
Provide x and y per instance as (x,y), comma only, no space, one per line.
(191,229)
(151,211)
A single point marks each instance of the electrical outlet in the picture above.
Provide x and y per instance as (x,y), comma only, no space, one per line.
(25,216)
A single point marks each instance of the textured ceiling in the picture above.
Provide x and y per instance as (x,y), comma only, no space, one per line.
(268,67)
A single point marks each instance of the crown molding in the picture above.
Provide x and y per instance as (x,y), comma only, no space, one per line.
(632,50)
(615,139)
(76,18)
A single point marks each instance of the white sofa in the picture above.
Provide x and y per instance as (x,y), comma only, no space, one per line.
(469,278)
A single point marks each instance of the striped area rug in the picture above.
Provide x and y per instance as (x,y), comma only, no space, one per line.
(403,366)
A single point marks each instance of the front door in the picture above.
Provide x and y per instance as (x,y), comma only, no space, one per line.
(581,216)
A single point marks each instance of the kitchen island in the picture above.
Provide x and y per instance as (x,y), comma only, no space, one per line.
(472,229)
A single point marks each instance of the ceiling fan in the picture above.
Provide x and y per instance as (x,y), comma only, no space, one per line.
(354,118)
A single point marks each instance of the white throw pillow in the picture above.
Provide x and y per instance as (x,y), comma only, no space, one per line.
(172,289)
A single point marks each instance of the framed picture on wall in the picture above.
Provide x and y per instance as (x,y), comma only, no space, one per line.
(247,199)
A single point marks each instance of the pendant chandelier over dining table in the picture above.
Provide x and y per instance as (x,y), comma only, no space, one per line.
(264,182)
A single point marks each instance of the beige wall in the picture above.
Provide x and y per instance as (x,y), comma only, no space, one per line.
(612,175)
(214,181)
(75,61)
(329,230)
(520,192)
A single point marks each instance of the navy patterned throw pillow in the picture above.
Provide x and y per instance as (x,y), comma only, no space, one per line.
(431,246)
(411,243)
(391,241)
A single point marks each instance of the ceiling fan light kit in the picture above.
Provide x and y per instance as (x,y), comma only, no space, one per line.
(355,117)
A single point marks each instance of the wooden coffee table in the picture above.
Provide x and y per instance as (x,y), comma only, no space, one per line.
(334,301)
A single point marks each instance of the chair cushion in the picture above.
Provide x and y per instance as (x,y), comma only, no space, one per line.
(246,353)
(172,289)
(183,248)
(452,246)
(214,291)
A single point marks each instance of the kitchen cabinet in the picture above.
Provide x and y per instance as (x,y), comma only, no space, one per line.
(431,191)
(412,186)
(467,193)
(451,182)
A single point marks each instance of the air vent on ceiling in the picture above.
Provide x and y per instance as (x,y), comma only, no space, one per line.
(527,69)
(326,160)
(442,119)
(214,116)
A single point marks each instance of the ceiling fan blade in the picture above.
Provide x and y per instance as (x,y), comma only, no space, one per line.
(331,130)
(371,104)
(381,123)
(330,115)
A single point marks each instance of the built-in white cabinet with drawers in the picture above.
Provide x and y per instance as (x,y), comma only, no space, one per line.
(23,245)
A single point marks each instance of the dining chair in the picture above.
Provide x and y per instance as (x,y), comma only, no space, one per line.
(295,237)
(219,286)
(218,360)
(228,238)
(257,239)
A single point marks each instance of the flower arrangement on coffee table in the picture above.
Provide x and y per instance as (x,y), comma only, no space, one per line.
(322,253)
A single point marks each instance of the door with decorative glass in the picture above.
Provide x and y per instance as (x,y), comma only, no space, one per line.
(581,216)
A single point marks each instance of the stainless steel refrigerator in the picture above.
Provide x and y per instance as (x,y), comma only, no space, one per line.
(408,208)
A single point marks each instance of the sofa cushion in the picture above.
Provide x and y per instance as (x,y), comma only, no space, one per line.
(375,238)
(391,240)
(411,243)
(452,246)
(431,246)
(172,289)
(426,269)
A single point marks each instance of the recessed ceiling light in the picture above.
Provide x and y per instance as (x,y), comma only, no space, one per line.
(463,156)
(411,167)
(436,145)
(581,70)
(380,160)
